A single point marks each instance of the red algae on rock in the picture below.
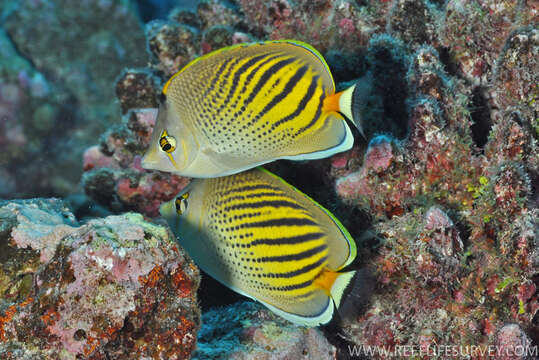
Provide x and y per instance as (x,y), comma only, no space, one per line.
(117,288)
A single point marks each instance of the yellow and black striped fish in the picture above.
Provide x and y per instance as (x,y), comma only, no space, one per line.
(246,105)
(264,239)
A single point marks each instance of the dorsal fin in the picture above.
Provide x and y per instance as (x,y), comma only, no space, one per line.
(299,49)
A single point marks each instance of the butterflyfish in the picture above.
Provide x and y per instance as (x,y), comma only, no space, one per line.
(248,104)
(264,239)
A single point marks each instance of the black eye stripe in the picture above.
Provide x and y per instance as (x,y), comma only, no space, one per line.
(166,147)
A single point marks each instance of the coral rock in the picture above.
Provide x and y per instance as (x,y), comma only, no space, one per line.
(109,281)
(476,42)
(512,343)
(246,330)
(413,21)
(137,89)
(444,237)
(214,12)
(174,45)
(517,68)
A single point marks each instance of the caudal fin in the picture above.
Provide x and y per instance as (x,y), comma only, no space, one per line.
(355,295)
(352,101)
(339,286)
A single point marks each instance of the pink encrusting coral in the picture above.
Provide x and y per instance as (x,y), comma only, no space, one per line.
(110,280)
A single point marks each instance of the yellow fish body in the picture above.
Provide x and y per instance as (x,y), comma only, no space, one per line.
(264,239)
(246,105)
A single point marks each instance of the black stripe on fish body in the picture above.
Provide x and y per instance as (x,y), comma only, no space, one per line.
(247,81)
(301,105)
(206,100)
(305,295)
(265,203)
(315,118)
(251,75)
(299,271)
(291,83)
(264,194)
(280,222)
(248,215)
(221,83)
(229,199)
(272,70)
(293,257)
(249,188)
(292,287)
(213,81)
(292,240)
(236,79)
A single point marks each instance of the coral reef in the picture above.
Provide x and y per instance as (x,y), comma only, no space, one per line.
(458,255)
(247,330)
(447,185)
(441,196)
(476,32)
(325,24)
(116,288)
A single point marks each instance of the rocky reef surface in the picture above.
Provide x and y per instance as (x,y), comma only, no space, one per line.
(114,288)
(441,194)
(248,330)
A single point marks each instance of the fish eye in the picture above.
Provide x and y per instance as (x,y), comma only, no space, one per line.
(167,142)
(181,203)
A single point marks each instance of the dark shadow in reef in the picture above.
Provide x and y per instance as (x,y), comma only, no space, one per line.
(355,301)
(212,293)
(345,66)
(385,89)
(159,9)
(447,60)
(480,113)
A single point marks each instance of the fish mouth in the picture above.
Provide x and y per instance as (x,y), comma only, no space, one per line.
(146,164)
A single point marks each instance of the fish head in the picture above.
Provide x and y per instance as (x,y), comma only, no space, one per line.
(173,146)
(184,212)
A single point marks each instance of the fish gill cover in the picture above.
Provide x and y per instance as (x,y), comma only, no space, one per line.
(441,196)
